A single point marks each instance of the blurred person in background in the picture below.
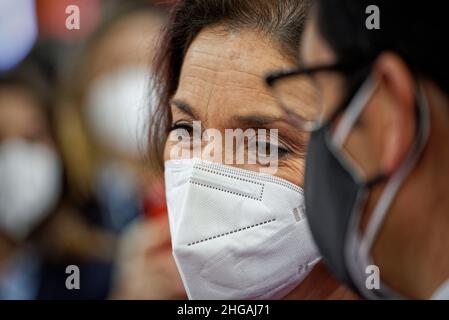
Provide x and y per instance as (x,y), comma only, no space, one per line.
(106,96)
(377,171)
(30,177)
(229,240)
(37,221)
(102,129)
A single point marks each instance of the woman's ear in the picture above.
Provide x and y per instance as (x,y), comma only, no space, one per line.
(398,86)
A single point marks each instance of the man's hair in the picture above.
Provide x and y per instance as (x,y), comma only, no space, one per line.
(416,31)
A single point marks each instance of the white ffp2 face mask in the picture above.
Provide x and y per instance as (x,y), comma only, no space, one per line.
(236,234)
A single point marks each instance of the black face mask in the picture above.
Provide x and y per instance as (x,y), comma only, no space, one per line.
(335,197)
(331,196)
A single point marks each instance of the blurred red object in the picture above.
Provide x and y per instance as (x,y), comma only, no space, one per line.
(52,18)
(154,204)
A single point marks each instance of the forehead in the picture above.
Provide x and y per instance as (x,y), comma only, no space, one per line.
(224,72)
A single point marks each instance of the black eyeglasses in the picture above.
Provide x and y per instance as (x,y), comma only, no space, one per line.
(299,94)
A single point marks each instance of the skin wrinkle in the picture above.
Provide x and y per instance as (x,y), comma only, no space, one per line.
(215,39)
(237,118)
(237,85)
(232,57)
(208,101)
(254,90)
(227,70)
(250,105)
(234,87)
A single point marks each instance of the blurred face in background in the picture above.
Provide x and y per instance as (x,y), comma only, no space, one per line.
(117,93)
(102,128)
(21,117)
(118,102)
(29,166)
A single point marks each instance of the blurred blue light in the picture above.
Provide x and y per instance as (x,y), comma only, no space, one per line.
(18,31)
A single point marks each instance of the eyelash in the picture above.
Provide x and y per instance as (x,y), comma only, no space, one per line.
(183,125)
(281,150)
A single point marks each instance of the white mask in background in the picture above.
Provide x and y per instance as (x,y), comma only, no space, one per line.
(118,107)
(236,234)
(30,186)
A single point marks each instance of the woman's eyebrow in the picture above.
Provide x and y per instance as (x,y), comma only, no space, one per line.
(258,120)
(184,107)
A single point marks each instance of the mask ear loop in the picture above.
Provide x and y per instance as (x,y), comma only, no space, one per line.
(354,111)
(357,105)
(395,182)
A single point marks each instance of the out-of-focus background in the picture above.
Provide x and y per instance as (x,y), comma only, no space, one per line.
(75,187)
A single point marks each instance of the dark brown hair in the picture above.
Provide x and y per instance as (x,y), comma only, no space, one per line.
(281,20)
(415,31)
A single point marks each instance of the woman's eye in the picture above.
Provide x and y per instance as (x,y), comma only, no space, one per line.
(185,126)
(282,151)
(268,148)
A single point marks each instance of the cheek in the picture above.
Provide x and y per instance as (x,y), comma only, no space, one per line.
(178,147)
(169,145)
(292,170)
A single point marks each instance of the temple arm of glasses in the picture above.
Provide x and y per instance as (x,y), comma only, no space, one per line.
(271,78)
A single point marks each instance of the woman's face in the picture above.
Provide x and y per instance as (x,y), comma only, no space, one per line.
(21,117)
(222,86)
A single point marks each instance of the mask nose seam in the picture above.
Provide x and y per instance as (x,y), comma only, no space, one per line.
(231,232)
(202,184)
(235,173)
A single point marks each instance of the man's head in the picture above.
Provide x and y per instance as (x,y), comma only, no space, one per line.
(387,151)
